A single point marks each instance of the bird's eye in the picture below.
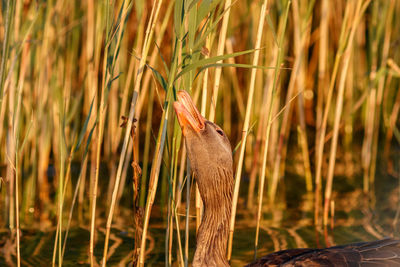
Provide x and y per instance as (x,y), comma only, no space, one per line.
(220,132)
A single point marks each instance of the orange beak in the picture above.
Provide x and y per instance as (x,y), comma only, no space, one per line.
(187,113)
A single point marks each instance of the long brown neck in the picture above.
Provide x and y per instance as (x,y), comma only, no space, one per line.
(216,192)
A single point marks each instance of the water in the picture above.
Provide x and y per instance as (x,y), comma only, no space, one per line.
(288,224)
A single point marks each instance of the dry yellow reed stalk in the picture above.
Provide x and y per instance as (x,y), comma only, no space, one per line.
(149,34)
(322,84)
(358,13)
(322,131)
(125,10)
(246,124)
(301,43)
(220,51)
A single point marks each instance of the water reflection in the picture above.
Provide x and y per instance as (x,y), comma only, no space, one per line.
(288,224)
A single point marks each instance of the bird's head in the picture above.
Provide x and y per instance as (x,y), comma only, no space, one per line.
(207,145)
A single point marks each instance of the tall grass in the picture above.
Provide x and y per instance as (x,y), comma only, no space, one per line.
(268,72)
(246,124)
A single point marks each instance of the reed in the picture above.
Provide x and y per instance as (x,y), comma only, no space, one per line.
(111,49)
(384,39)
(322,83)
(354,21)
(285,79)
(322,131)
(107,80)
(270,99)
(246,125)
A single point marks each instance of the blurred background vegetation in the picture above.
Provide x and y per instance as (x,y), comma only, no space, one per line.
(307,92)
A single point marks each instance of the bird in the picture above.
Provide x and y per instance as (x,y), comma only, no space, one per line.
(210,155)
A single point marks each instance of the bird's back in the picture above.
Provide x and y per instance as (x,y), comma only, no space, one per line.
(384,252)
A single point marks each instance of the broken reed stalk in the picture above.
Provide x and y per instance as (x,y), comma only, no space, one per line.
(132,69)
(358,13)
(246,124)
(146,45)
(137,210)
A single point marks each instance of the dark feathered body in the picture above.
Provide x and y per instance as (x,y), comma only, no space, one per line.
(384,252)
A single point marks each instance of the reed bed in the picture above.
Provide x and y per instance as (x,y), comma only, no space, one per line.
(282,78)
